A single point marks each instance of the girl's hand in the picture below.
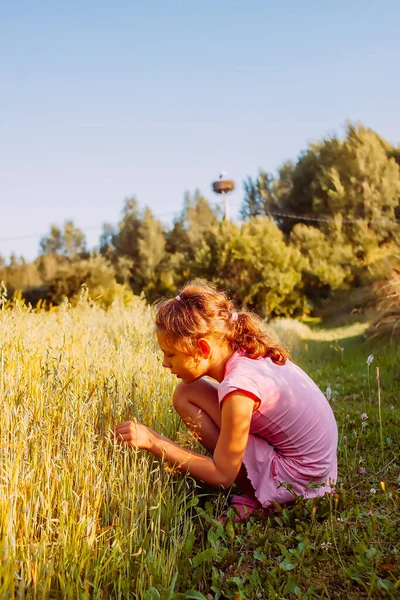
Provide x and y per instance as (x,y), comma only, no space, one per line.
(134,434)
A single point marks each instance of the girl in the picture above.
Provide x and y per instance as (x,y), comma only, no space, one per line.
(266,424)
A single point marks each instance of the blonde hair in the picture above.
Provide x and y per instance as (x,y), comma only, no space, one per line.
(200,310)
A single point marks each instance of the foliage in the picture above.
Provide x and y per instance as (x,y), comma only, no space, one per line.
(252,262)
(95,272)
(195,225)
(259,197)
(70,241)
(342,201)
(357,178)
(125,241)
(364,184)
(329,260)
(19,274)
(258,268)
(310,236)
(139,245)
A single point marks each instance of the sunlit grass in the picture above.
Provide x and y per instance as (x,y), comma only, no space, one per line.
(79,514)
(82,517)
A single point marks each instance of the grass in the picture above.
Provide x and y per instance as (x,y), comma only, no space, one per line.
(388,321)
(81,517)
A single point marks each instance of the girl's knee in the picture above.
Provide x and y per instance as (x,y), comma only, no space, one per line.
(179,396)
(190,400)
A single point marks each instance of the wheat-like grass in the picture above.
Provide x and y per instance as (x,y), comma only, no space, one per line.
(81,516)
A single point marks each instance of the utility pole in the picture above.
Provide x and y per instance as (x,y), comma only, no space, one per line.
(224,186)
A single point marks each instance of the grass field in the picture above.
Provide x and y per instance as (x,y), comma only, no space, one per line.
(81,517)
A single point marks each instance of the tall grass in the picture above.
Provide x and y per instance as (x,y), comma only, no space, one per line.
(387,325)
(80,516)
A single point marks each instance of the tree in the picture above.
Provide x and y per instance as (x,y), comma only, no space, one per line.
(357,177)
(18,274)
(253,204)
(329,261)
(300,190)
(364,185)
(259,196)
(52,244)
(126,240)
(254,263)
(198,218)
(107,238)
(73,240)
(68,242)
(140,242)
(261,269)
(283,184)
(151,251)
(395,153)
(196,226)
(96,272)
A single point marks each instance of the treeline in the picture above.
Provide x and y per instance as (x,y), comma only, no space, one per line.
(325,225)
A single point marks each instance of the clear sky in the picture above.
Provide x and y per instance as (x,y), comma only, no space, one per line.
(101,100)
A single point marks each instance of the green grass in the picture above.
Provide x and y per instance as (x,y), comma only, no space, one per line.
(81,517)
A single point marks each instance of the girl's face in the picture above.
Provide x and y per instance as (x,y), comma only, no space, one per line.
(182,365)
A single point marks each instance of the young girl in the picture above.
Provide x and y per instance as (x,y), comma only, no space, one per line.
(266,424)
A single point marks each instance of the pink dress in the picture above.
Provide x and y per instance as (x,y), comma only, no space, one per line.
(293,432)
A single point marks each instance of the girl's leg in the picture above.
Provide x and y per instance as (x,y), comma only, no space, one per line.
(197,405)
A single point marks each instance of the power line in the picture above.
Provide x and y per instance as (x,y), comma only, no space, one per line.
(281,215)
(327,219)
(37,235)
(88,228)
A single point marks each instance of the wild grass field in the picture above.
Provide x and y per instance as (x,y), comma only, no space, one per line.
(82,517)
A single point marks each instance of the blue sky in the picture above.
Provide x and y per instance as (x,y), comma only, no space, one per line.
(103,100)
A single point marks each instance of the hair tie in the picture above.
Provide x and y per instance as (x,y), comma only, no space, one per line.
(178,298)
(234,316)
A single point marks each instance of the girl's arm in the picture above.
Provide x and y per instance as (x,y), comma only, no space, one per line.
(220,470)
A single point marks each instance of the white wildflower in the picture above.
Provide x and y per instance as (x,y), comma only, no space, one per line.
(328,392)
(326,545)
(370,359)
(372,491)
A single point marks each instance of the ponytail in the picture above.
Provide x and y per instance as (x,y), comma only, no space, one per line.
(250,336)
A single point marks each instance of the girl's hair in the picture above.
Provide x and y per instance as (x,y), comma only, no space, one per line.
(200,310)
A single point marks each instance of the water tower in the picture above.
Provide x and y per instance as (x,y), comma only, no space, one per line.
(224,186)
